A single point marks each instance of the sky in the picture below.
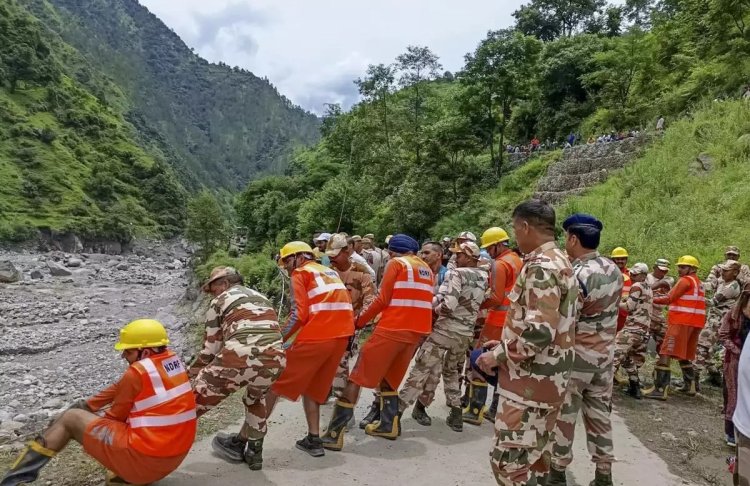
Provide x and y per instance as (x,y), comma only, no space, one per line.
(313,50)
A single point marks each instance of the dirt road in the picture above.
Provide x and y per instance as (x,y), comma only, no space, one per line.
(432,455)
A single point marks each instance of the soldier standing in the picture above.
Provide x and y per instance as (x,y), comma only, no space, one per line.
(632,342)
(727,292)
(361,290)
(590,388)
(534,358)
(242,349)
(456,305)
(660,284)
(731,253)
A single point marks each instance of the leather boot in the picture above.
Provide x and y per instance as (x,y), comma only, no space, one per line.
(372,416)
(28,465)
(660,389)
(556,478)
(455,420)
(491,413)
(254,454)
(333,438)
(601,479)
(474,413)
(634,388)
(688,380)
(420,415)
(388,425)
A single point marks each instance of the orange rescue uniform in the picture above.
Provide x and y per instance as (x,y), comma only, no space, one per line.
(323,318)
(405,307)
(503,273)
(151,424)
(685,319)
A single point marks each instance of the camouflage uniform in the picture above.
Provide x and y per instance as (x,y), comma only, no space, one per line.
(632,342)
(242,348)
(658,327)
(722,302)
(590,386)
(362,292)
(456,305)
(714,277)
(534,359)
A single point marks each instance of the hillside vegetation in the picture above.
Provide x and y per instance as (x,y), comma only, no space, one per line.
(68,159)
(219,126)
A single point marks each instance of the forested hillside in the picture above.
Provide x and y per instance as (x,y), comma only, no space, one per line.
(68,159)
(217,125)
(423,152)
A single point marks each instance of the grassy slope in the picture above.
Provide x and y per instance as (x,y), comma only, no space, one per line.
(657,207)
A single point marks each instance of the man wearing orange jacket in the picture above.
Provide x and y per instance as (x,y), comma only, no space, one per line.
(147,431)
(502,278)
(317,334)
(685,319)
(405,307)
(620,256)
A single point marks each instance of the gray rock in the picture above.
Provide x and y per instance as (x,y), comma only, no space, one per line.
(9,273)
(74,263)
(10,425)
(53,403)
(21,418)
(123,266)
(58,270)
(37,274)
(174,265)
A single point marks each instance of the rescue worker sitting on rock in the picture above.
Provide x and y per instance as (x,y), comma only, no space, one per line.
(149,427)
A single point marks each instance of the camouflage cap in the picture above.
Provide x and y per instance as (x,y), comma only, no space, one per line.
(662,264)
(730,265)
(638,269)
(468,247)
(370,236)
(732,250)
(467,235)
(337,242)
(366,241)
(356,238)
(219,273)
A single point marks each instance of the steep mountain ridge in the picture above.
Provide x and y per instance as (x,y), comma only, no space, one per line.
(219,126)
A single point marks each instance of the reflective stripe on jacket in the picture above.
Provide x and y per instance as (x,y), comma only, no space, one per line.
(162,421)
(689,309)
(410,307)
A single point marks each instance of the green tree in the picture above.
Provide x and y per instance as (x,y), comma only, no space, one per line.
(549,19)
(206,224)
(376,87)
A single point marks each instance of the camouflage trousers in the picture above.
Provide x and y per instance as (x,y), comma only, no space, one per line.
(438,355)
(254,367)
(591,394)
(342,374)
(521,448)
(630,351)
(658,331)
(705,351)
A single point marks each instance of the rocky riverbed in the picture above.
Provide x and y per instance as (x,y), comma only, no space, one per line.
(59,322)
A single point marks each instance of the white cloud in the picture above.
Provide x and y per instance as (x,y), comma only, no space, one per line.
(313,50)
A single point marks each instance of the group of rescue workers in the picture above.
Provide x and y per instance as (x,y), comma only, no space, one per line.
(547,328)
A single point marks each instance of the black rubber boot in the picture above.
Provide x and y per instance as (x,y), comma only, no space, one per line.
(312,445)
(28,465)
(254,454)
(634,388)
(491,413)
(556,478)
(688,380)
(372,416)
(715,378)
(474,413)
(600,479)
(455,420)
(420,414)
(660,389)
(333,438)
(229,447)
(388,426)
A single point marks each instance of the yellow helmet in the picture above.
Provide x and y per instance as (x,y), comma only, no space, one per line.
(493,235)
(293,248)
(142,333)
(689,261)
(619,252)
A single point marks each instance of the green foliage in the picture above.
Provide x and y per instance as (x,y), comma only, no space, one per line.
(216,125)
(206,224)
(68,159)
(663,206)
